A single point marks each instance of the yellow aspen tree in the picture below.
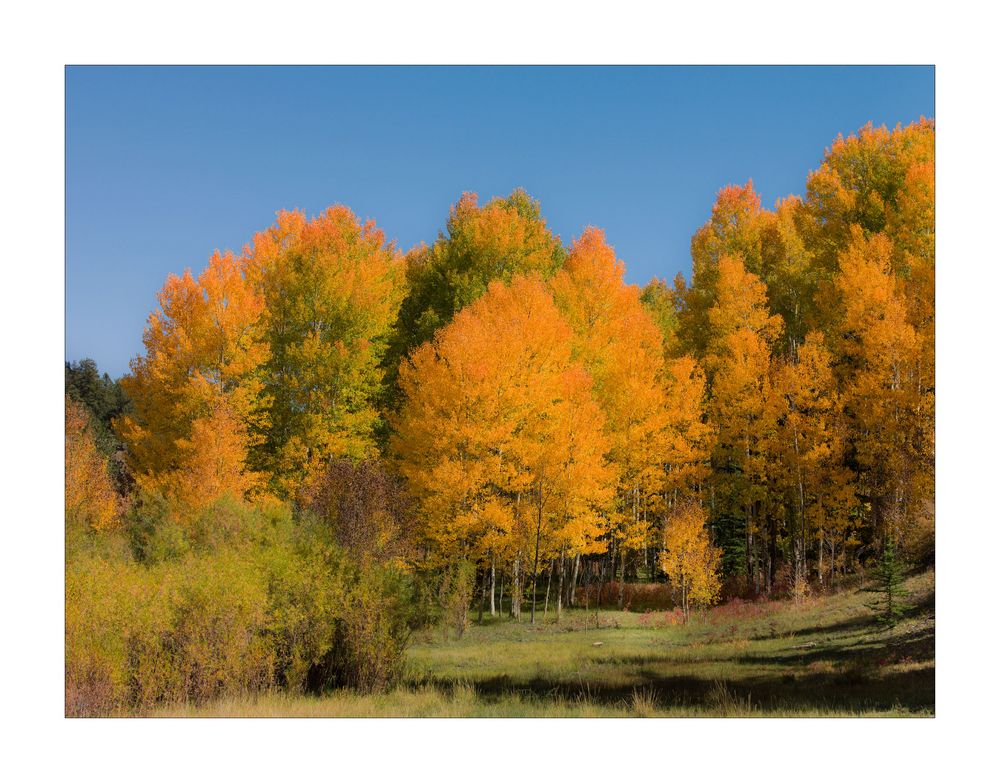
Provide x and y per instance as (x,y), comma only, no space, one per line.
(861,182)
(687,439)
(689,559)
(735,229)
(812,453)
(880,353)
(911,225)
(330,289)
(881,182)
(743,406)
(663,301)
(789,270)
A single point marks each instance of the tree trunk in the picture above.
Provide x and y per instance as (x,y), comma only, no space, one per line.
(559,589)
(493,587)
(819,568)
(515,589)
(612,556)
(751,576)
(772,550)
(800,554)
(534,571)
(646,557)
(482,599)
(600,587)
(548,587)
(621,582)
(572,583)
(503,575)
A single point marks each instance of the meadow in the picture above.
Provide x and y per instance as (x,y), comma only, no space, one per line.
(825,656)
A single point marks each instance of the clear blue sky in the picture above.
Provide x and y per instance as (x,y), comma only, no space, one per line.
(164,165)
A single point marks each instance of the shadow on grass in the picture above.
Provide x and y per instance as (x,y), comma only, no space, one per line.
(866,655)
(851,665)
(836,674)
(851,690)
(921,608)
(842,627)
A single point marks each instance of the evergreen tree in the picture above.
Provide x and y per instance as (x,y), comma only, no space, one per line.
(103,398)
(890,594)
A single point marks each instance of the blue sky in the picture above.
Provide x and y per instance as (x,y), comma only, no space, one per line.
(164,165)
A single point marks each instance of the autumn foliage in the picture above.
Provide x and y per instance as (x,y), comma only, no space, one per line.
(499,436)
(499,415)
(690,558)
(91,500)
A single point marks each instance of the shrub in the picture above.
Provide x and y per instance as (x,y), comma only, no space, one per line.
(455,595)
(638,596)
(260,601)
(371,634)
(215,643)
(366,507)
(139,635)
(662,619)
(149,514)
(307,594)
(96,651)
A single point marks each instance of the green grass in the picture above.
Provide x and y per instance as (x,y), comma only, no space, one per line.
(823,657)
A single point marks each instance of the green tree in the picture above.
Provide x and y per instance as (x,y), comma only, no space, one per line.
(888,603)
(495,241)
(331,291)
(103,398)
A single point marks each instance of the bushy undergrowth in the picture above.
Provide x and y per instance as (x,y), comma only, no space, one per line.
(636,596)
(241,601)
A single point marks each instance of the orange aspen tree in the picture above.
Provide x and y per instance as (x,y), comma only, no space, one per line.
(212,463)
(620,345)
(202,351)
(498,435)
(564,454)
(91,501)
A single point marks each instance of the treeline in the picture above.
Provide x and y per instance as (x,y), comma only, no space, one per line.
(763,428)
(770,423)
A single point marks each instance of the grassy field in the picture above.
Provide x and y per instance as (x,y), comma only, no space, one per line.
(823,657)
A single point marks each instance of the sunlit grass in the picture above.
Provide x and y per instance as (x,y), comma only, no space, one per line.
(822,657)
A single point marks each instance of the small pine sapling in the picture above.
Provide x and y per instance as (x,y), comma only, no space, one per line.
(888,603)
